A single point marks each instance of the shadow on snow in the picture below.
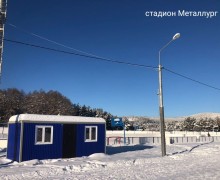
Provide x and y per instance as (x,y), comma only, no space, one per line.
(110,150)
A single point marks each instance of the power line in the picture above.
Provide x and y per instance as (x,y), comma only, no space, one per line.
(91,56)
(82,55)
(52,41)
(198,82)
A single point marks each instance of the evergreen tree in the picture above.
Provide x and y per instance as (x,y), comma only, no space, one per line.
(188,124)
(76,110)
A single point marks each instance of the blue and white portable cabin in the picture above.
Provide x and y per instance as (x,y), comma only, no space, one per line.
(33,136)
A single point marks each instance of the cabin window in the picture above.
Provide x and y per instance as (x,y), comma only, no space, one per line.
(91,133)
(44,135)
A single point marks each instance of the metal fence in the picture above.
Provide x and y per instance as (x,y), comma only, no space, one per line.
(194,139)
(119,140)
(3,131)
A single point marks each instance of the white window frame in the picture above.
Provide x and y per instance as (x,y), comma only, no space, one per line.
(90,134)
(43,135)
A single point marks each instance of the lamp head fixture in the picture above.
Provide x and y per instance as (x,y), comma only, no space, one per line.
(176,36)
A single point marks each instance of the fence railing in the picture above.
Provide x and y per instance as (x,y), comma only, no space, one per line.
(194,139)
(3,136)
(118,140)
(3,131)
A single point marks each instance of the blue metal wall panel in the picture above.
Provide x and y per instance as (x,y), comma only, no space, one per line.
(13,141)
(47,151)
(50,151)
(87,148)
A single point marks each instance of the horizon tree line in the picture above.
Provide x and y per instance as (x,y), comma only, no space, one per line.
(14,101)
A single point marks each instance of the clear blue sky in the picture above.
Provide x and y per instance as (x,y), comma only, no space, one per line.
(116,29)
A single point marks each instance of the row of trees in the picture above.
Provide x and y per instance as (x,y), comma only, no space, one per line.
(203,124)
(143,123)
(189,124)
(14,101)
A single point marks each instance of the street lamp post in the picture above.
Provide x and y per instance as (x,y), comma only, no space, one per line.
(161,107)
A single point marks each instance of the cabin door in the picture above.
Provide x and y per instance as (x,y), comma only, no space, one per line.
(69,140)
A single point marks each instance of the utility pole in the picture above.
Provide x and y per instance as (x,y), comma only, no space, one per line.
(3,5)
(161,110)
(161,107)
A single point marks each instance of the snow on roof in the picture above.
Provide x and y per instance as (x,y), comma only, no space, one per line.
(54,119)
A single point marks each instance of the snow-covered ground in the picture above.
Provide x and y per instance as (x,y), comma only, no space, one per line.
(189,161)
(184,161)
